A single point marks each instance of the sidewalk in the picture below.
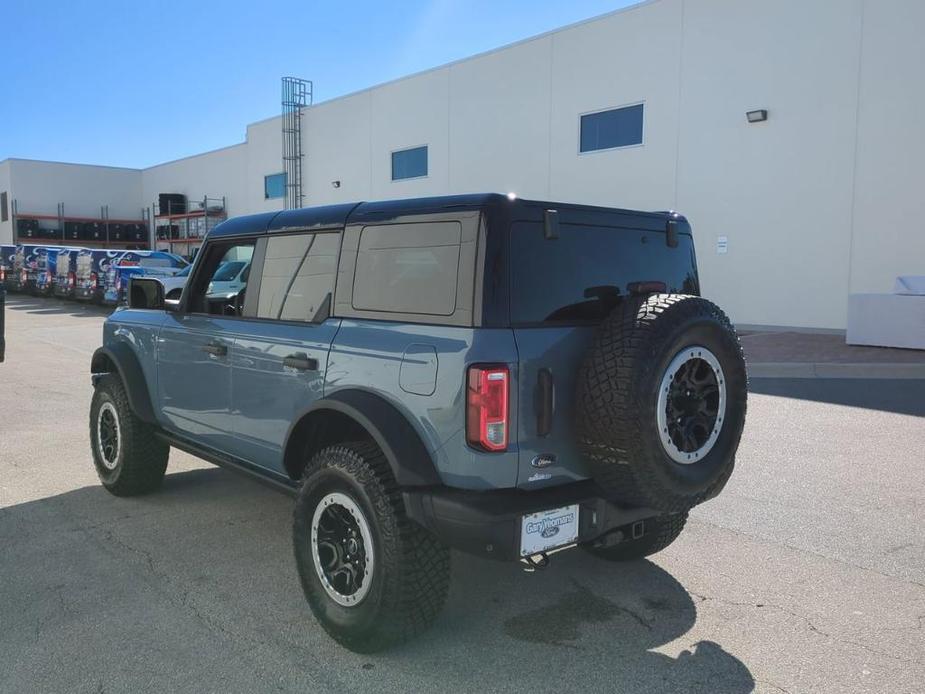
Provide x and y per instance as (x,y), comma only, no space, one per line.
(804,355)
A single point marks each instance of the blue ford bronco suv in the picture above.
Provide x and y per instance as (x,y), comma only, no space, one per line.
(505,377)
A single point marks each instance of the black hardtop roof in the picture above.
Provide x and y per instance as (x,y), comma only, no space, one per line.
(337,216)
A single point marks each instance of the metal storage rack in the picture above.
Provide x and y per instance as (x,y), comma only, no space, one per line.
(181,228)
(63,229)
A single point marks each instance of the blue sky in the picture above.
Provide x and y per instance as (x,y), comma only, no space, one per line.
(137,82)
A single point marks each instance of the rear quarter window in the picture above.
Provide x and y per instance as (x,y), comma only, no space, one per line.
(408,268)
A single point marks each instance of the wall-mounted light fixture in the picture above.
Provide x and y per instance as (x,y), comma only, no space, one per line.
(759,116)
(335,184)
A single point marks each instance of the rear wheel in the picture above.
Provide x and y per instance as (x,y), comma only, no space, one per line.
(657,534)
(128,457)
(372,577)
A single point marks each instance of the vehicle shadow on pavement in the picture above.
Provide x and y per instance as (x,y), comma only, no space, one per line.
(887,395)
(40,305)
(197,586)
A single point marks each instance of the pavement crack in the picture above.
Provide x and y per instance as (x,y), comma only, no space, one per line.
(811,626)
(775,686)
(771,540)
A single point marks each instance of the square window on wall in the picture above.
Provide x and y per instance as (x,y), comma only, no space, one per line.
(611,129)
(274,186)
(409,163)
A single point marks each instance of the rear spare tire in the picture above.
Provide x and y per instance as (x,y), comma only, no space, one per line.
(661,402)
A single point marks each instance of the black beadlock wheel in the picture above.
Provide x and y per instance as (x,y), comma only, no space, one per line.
(658,533)
(128,457)
(372,577)
(661,402)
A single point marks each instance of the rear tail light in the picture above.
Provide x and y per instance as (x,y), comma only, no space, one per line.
(23,276)
(118,282)
(47,276)
(2,274)
(71,279)
(94,280)
(487,407)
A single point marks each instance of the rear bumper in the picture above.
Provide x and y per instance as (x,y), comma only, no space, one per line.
(488,524)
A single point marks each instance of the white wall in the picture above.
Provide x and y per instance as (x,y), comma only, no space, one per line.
(819,201)
(889,231)
(622,59)
(264,153)
(336,137)
(781,190)
(38,187)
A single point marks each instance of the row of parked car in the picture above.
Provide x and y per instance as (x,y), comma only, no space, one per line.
(87,274)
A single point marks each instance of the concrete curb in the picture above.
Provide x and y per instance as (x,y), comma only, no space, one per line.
(836,370)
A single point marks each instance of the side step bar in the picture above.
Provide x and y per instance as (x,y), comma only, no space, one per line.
(274,480)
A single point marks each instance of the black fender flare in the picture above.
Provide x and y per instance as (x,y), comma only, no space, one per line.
(408,457)
(121,357)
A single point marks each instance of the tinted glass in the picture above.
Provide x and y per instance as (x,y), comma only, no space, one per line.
(314,280)
(409,163)
(283,257)
(580,276)
(408,268)
(203,296)
(274,186)
(619,127)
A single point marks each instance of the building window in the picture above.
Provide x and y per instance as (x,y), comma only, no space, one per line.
(409,163)
(618,127)
(4,207)
(274,186)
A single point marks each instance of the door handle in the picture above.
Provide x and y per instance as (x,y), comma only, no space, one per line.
(215,349)
(301,361)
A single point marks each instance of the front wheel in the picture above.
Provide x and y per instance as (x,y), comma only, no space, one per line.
(128,457)
(372,577)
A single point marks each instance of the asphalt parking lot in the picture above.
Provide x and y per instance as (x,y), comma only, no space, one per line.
(807,574)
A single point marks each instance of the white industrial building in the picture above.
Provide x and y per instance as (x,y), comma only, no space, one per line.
(790,214)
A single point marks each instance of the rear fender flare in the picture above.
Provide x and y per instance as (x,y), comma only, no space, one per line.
(408,457)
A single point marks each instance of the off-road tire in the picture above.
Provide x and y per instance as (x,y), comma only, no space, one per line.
(658,533)
(142,456)
(617,397)
(410,578)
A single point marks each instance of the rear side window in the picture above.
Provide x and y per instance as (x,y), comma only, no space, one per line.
(580,277)
(298,276)
(408,268)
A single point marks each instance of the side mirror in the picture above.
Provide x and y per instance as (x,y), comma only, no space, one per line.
(145,293)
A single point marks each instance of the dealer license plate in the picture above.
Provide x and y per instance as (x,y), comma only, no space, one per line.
(546,530)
